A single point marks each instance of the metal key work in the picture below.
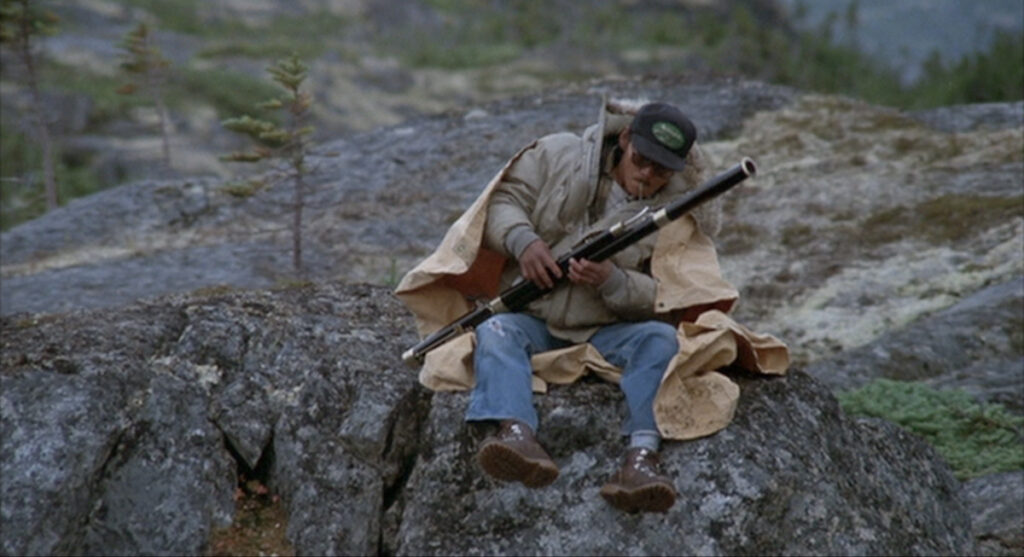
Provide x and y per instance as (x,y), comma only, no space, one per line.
(606,244)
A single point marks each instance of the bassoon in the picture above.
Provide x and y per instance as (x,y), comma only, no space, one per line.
(606,244)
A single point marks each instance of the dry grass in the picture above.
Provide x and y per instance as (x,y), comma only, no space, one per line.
(941,220)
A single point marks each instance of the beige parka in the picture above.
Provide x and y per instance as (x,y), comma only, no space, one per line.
(561,173)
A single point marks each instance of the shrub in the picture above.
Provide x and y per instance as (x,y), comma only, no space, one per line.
(976,439)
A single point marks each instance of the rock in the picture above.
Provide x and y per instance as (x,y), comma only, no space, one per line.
(58,434)
(996,506)
(975,345)
(863,220)
(161,404)
(964,118)
(791,476)
(169,482)
(141,410)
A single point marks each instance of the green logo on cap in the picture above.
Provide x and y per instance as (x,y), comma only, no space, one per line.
(669,135)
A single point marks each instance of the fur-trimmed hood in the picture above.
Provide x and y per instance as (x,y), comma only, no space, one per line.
(615,116)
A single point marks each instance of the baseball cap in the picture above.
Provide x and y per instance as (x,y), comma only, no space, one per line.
(663,134)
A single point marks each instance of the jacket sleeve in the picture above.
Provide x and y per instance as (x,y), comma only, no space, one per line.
(629,294)
(508,229)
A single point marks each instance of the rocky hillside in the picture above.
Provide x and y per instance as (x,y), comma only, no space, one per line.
(861,220)
(875,242)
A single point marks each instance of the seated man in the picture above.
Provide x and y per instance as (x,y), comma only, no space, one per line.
(551,196)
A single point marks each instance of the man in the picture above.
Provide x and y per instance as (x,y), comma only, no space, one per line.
(608,304)
(550,197)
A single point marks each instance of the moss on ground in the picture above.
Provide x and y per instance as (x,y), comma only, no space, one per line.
(976,439)
(941,220)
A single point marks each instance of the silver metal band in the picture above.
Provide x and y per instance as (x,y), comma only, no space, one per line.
(661,218)
(497,306)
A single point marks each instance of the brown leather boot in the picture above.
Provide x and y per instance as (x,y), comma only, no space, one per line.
(514,455)
(638,486)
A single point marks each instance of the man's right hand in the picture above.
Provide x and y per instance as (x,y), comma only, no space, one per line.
(535,263)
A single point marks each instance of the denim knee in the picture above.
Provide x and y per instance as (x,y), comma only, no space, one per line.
(502,328)
(660,336)
(503,371)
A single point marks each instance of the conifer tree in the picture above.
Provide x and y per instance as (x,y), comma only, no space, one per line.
(21,21)
(144,61)
(288,143)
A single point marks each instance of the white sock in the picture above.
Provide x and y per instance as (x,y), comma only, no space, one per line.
(647,439)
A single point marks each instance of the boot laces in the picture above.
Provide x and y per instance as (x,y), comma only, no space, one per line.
(643,461)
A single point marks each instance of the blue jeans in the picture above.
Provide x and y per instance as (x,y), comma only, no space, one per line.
(505,342)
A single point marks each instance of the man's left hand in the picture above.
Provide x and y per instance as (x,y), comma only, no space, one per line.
(584,271)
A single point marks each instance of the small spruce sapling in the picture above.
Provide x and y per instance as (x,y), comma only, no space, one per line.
(144,61)
(288,143)
(21,21)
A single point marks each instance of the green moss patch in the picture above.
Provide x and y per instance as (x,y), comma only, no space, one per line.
(976,439)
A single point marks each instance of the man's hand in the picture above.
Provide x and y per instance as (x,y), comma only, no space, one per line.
(584,271)
(535,262)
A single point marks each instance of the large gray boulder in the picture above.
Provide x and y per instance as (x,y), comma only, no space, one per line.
(790,476)
(124,431)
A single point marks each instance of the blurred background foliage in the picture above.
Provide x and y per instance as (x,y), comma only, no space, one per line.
(218,51)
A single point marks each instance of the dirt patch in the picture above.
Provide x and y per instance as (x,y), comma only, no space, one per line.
(259,527)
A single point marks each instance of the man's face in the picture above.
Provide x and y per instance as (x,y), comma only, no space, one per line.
(640,176)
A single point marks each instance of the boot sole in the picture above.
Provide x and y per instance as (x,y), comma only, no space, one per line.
(656,498)
(506,464)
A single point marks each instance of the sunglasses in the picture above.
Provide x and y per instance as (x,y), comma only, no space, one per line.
(643,162)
